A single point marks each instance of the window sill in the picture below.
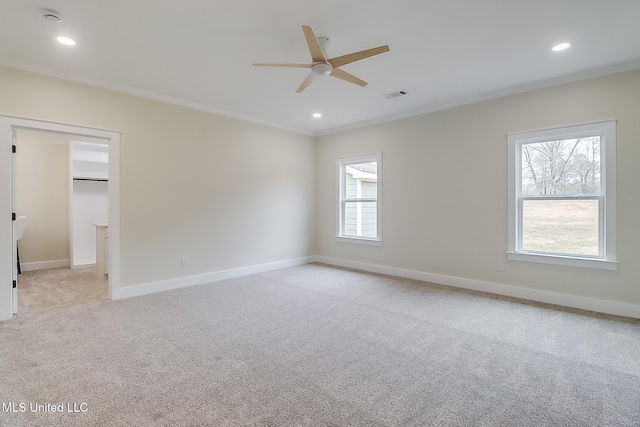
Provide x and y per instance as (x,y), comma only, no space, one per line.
(359,240)
(568,261)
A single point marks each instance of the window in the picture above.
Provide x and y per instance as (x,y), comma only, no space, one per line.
(562,195)
(359,199)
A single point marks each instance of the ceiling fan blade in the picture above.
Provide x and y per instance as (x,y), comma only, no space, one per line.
(306,82)
(263,64)
(314,47)
(341,74)
(339,61)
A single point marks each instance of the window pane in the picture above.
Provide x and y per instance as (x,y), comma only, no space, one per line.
(560,226)
(361,180)
(567,166)
(360,219)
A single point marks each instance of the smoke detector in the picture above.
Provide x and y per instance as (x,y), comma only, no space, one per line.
(51,15)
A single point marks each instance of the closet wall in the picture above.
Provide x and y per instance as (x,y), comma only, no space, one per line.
(42,187)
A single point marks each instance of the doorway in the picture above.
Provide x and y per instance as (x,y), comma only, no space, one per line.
(88,198)
(61,192)
(9,127)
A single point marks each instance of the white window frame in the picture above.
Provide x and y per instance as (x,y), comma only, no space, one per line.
(606,260)
(341,165)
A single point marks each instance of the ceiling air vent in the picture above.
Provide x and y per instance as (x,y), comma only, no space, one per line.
(395,94)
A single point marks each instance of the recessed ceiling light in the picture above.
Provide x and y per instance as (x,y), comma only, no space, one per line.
(317,115)
(66,40)
(561,46)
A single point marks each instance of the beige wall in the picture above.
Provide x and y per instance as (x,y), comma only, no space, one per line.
(42,184)
(223,192)
(445,188)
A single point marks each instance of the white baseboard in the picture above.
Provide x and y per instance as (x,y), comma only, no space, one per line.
(44,265)
(77,266)
(201,279)
(584,303)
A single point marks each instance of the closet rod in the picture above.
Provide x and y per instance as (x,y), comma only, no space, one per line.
(91,179)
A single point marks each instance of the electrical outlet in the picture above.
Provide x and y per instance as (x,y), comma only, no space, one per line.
(184,261)
(499,266)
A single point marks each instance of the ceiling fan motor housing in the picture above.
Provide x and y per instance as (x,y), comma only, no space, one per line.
(322,69)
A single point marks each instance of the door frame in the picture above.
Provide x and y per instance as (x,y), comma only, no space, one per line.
(10,124)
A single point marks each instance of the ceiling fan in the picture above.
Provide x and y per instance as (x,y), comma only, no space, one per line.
(321,66)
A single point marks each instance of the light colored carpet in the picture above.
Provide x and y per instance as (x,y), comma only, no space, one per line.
(47,289)
(317,346)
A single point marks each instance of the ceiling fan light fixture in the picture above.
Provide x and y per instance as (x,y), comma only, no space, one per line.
(322,69)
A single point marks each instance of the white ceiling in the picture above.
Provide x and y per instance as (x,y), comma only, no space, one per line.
(443,52)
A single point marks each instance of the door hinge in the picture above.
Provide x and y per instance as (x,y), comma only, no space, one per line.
(13,216)
(15,284)
(13,148)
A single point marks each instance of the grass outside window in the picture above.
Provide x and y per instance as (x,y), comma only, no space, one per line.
(561,226)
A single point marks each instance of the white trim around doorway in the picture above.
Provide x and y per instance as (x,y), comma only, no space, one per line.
(7,175)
